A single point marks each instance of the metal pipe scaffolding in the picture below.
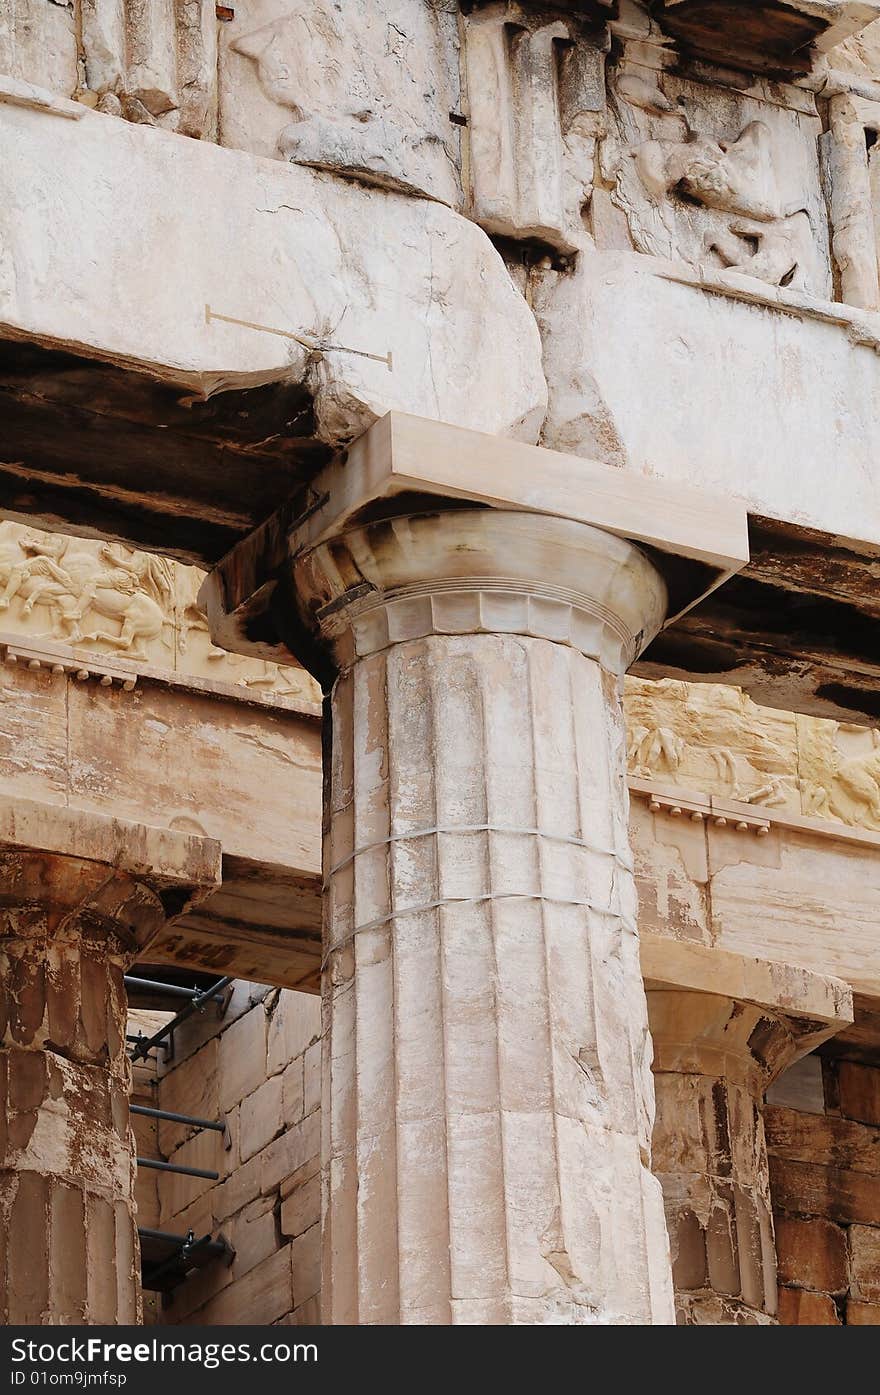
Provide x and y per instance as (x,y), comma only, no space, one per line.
(173,990)
(142,1046)
(177,1118)
(178,1167)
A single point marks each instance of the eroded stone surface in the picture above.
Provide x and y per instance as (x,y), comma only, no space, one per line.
(789,392)
(380,286)
(717,179)
(68,1245)
(536,99)
(364,90)
(714,1057)
(713,738)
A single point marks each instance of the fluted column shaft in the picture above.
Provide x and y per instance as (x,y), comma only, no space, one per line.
(487,1089)
(68,1238)
(714,1058)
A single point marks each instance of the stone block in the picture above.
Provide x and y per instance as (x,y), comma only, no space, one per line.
(799,1308)
(832,1192)
(302,1208)
(261,1296)
(293,1025)
(308,1314)
(599,324)
(242,1059)
(859,1092)
(826,1141)
(146,1196)
(177,1191)
(240,1188)
(253,1234)
(289,1152)
(205,1026)
(290,71)
(305,1253)
(189,1087)
(862,1314)
(197,1217)
(38,43)
(198,1290)
(292,1091)
(33,735)
(800,1087)
(812,1254)
(446,294)
(310,1168)
(864,1247)
(261,1117)
(312,1079)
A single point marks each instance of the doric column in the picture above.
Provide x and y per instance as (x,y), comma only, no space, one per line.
(488,1099)
(80,896)
(724,1027)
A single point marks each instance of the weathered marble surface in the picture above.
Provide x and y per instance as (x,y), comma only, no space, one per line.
(724,1026)
(80,896)
(784,896)
(365,90)
(275,245)
(635,350)
(487,1090)
(535,94)
(714,738)
(38,44)
(106,599)
(717,177)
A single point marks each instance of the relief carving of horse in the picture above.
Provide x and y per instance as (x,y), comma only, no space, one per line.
(70,580)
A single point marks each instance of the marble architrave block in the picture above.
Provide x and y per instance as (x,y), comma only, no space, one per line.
(801,388)
(366,297)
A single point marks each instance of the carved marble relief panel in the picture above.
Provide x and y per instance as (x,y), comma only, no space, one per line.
(839,771)
(362,89)
(715,177)
(106,599)
(536,103)
(196,655)
(715,739)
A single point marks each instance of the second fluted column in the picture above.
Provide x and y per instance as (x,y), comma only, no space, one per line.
(488,1099)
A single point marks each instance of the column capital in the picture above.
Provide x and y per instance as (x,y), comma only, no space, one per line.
(404,467)
(721,1014)
(67,871)
(473,571)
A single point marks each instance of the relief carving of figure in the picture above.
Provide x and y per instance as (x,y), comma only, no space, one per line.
(850,790)
(652,750)
(361,89)
(134,590)
(749,202)
(766,239)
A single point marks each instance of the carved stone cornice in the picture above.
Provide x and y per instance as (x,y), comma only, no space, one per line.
(473,571)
